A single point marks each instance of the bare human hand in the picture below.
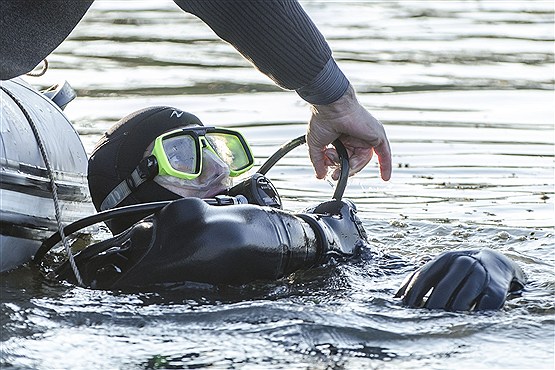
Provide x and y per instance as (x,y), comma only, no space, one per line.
(358,130)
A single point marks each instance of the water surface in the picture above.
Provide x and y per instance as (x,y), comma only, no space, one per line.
(465,90)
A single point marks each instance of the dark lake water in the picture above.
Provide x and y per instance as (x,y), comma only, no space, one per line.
(465,91)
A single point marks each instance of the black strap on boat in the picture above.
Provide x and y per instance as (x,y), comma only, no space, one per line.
(53,185)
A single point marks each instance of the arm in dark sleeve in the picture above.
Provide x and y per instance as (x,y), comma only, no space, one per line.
(31,30)
(189,240)
(280,39)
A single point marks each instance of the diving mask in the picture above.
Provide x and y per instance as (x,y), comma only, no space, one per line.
(178,154)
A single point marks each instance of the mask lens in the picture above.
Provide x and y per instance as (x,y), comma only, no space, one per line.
(181,153)
(231,149)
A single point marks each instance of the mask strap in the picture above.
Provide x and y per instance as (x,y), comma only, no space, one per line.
(146,170)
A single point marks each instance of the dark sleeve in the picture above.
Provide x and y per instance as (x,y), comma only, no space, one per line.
(31,30)
(280,39)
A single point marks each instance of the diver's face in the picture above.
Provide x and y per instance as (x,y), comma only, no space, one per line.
(213,180)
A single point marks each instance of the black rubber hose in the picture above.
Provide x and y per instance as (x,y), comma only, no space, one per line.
(287,147)
(144,209)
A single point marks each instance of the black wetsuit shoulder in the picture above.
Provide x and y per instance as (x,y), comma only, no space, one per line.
(31,30)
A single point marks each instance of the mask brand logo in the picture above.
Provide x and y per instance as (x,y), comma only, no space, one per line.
(176,113)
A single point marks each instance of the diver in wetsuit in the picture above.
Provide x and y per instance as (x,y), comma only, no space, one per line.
(163,153)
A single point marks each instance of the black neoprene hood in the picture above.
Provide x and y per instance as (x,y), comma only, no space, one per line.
(120,150)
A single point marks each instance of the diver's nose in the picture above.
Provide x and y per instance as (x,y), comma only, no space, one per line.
(212,166)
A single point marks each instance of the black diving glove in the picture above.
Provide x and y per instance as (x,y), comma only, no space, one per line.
(463,281)
(338,229)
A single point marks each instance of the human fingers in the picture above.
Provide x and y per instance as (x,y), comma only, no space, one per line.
(470,290)
(318,138)
(383,151)
(319,160)
(358,159)
(460,287)
(423,280)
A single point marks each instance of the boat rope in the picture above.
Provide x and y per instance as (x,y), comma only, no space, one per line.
(53,185)
(42,71)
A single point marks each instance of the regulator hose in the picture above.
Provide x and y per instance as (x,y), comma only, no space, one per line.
(287,147)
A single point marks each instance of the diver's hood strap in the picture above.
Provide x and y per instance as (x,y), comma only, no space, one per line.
(146,170)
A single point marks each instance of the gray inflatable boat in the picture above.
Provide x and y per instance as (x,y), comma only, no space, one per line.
(27,212)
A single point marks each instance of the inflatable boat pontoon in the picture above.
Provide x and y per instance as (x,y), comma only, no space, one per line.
(27,212)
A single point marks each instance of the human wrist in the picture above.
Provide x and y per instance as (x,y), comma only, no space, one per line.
(346,103)
(327,87)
